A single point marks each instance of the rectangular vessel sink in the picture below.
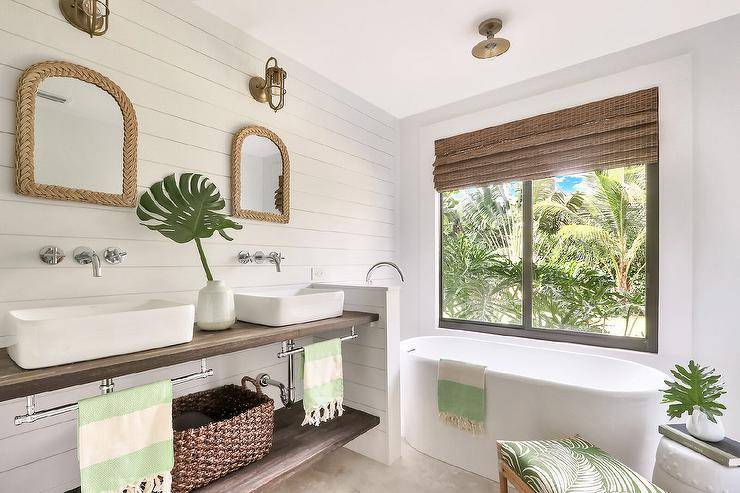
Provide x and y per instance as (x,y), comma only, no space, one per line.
(280,307)
(58,335)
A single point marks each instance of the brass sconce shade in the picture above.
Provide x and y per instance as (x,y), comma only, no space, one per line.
(491,46)
(271,88)
(90,16)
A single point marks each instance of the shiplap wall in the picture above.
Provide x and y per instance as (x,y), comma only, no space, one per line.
(186,73)
(371,368)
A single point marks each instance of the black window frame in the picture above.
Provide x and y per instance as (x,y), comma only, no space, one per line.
(649,344)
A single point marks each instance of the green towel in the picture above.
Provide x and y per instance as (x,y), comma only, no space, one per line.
(461,395)
(124,440)
(323,385)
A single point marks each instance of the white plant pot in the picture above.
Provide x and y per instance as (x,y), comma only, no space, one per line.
(702,428)
(215,308)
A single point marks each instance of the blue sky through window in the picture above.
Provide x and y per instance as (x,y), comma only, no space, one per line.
(568,184)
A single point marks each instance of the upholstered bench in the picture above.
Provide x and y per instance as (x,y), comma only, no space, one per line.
(570,465)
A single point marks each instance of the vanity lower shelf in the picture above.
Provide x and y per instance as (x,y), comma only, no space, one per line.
(294,448)
(16,382)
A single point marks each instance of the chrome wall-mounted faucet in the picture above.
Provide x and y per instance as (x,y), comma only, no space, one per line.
(258,257)
(86,255)
(368,277)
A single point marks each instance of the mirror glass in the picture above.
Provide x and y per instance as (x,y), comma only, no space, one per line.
(78,136)
(261,168)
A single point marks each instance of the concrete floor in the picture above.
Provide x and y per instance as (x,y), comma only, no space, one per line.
(345,471)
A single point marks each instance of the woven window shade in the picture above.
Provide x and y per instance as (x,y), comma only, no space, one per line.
(615,132)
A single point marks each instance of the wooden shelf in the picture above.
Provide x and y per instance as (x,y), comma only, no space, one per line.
(16,382)
(294,449)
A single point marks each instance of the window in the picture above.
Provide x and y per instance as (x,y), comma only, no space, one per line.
(570,258)
(549,225)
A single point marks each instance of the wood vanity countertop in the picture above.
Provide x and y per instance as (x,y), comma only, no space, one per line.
(16,382)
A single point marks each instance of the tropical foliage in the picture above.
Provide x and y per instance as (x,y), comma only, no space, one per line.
(588,252)
(186,210)
(694,386)
(573,465)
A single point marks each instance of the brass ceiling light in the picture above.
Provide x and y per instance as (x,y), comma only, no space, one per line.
(271,88)
(90,16)
(491,46)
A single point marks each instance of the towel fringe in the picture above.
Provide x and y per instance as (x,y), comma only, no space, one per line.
(162,483)
(315,416)
(465,424)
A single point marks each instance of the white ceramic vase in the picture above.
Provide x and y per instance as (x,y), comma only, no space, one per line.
(215,308)
(702,428)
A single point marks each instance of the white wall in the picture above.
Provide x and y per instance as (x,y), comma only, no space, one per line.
(716,222)
(186,73)
(698,73)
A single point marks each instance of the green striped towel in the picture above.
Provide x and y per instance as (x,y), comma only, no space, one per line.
(323,384)
(461,395)
(124,440)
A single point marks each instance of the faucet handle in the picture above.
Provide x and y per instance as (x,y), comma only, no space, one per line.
(114,255)
(51,255)
(244,257)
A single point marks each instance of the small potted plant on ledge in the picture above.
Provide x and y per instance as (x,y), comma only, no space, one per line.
(696,390)
(188,210)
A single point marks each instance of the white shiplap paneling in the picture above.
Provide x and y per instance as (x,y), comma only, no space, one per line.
(186,73)
(371,368)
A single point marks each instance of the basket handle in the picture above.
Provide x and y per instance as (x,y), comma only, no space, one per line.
(254,382)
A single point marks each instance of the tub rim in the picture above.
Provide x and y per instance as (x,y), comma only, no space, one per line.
(518,376)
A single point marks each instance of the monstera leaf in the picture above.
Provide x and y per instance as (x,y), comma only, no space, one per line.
(694,386)
(185,210)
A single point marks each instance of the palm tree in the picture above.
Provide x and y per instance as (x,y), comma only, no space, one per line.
(588,251)
(482,253)
(610,232)
(615,224)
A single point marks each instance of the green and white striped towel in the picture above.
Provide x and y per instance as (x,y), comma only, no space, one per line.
(461,395)
(124,440)
(323,384)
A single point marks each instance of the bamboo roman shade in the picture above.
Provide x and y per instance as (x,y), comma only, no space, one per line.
(615,132)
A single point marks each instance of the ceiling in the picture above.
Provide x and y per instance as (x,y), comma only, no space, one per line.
(408,56)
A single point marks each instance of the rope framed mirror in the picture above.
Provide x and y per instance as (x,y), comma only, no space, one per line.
(260,176)
(76,136)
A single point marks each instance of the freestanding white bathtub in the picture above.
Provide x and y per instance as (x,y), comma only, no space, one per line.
(531,394)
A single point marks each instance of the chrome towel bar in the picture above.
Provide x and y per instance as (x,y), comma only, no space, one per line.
(300,349)
(288,350)
(106,387)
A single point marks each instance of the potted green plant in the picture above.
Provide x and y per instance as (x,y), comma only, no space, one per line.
(696,390)
(184,210)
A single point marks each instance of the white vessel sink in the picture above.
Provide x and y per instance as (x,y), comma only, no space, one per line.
(54,336)
(280,307)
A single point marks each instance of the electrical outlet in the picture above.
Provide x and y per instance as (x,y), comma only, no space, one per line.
(318,274)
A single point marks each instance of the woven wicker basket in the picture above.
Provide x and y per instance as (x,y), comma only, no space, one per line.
(241,432)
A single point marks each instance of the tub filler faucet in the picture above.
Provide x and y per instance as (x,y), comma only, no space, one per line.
(368,277)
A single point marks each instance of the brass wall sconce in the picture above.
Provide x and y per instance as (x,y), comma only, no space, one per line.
(90,16)
(271,88)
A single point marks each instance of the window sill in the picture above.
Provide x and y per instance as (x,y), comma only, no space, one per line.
(584,338)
